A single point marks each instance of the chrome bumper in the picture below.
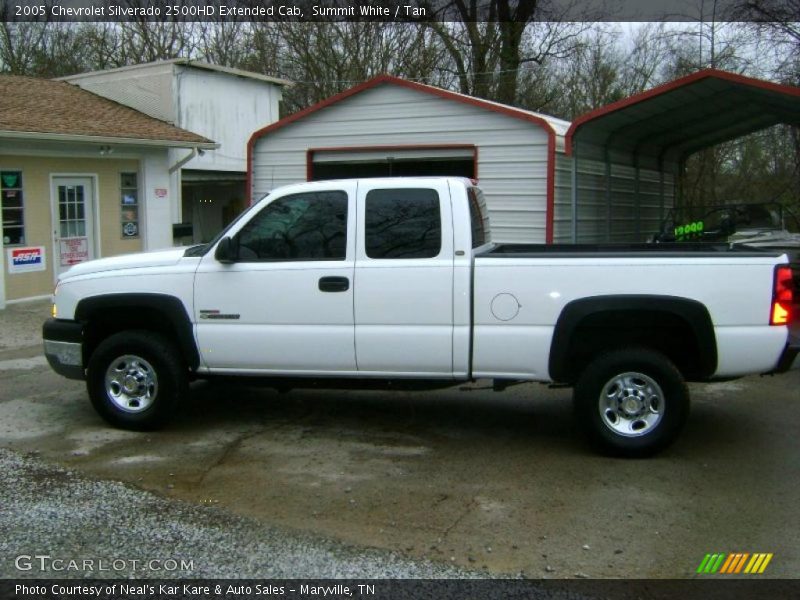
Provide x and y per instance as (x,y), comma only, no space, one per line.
(63,347)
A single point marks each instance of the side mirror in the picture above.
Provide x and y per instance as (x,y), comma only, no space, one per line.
(226,251)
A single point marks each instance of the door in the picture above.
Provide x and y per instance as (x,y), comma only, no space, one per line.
(73,210)
(285,305)
(404,279)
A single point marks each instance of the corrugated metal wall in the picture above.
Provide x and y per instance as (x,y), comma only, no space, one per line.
(632,217)
(562,221)
(147,89)
(512,154)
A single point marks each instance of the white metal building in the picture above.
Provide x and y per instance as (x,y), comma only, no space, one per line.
(219,103)
(390,126)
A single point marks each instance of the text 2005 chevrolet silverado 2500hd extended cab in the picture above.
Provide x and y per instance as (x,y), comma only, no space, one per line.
(397,279)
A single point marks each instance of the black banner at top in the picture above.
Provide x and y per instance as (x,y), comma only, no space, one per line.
(397,10)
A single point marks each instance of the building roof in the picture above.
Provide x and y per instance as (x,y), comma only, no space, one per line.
(185,62)
(674,120)
(45,109)
(552,125)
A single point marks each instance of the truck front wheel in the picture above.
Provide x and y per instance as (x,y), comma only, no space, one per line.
(135,379)
(631,402)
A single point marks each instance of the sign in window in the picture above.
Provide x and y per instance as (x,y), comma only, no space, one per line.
(13,208)
(129,201)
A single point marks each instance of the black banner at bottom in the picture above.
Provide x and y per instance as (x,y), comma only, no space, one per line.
(440,589)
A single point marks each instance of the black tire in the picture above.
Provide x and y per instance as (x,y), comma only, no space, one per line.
(654,419)
(159,372)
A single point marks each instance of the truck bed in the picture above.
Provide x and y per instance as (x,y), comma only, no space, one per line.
(628,250)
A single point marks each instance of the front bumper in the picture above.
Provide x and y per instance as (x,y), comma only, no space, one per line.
(63,347)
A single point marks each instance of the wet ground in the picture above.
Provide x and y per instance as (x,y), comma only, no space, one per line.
(467,476)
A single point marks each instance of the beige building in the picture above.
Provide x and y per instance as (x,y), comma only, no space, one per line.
(81,177)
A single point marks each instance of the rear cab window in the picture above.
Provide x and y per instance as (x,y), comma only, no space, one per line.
(403,223)
(478,217)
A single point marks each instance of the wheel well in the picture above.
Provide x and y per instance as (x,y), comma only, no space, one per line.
(105,316)
(679,329)
(667,333)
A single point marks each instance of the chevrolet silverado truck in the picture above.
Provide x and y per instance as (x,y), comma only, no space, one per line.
(396,280)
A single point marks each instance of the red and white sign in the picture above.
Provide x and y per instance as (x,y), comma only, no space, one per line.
(73,251)
(26,260)
(161,192)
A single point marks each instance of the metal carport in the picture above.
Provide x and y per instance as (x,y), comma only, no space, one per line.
(660,128)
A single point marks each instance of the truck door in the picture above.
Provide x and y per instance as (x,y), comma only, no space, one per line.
(285,304)
(404,279)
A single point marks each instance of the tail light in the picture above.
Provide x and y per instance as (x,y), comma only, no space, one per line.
(782,296)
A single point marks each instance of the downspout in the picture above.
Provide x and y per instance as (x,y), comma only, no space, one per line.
(574,192)
(661,189)
(2,273)
(607,159)
(177,210)
(193,154)
(637,201)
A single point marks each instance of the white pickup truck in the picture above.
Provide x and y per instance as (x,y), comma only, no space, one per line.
(396,279)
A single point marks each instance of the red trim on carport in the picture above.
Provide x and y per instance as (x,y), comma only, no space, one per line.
(668,87)
(445,94)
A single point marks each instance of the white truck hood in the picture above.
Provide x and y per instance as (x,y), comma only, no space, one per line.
(158,258)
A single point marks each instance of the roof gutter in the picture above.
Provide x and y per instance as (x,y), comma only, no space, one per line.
(96,139)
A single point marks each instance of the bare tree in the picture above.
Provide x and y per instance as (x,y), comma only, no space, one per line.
(224,42)
(494,41)
(325,58)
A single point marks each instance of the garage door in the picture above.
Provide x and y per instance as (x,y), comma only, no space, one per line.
(342,163)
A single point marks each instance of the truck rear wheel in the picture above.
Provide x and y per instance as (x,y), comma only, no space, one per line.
(135,379)
(631,402)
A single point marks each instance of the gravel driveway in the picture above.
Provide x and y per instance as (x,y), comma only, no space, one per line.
(124,532)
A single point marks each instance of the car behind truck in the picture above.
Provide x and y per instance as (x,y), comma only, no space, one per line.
(397,279)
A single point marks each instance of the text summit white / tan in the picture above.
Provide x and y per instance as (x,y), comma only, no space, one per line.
(357,283)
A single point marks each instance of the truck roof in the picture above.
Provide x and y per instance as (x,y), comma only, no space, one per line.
(379,180)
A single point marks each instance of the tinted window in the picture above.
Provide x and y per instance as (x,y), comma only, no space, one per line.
(477,216)
(403,223)
(310,226)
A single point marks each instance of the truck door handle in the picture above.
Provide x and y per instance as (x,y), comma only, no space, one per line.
(334,284)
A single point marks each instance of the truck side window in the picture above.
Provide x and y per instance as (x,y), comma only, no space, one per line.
(403,223)
(308,226)
(477,218)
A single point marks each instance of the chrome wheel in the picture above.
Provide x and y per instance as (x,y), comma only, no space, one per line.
(631,404)
(131,383)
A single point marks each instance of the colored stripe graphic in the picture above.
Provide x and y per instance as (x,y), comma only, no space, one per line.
(731,560)
(711,563)
(704,563)
(734,563)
